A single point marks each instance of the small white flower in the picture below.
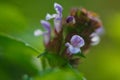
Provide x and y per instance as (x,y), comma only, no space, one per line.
(95,39)
(38,32)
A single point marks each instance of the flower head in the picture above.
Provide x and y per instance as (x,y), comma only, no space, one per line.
(81,29)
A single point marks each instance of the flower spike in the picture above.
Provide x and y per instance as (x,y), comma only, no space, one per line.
(72,36)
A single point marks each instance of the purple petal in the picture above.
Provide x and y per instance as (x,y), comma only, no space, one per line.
(46,25)
(58,8)
(46,34)
(70,19)
(77,41)
(58,23)
(67,44)
(74,50)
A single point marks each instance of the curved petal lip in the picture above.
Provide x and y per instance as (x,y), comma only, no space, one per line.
(74,50)
(46,25)
(77,41)
(58,8)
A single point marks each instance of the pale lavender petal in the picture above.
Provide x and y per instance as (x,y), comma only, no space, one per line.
(47,33)
(58,8)
(100,31)
(77,41)
(46,38)
(57,24)
(67,44)
(95,39)
(48,16)
(71,49)
(38,32)
(74,50)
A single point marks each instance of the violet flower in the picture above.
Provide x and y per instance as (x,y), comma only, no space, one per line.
(70,19)
(57,17)
(38,32)
(75,44)
(95,36)
(47,33)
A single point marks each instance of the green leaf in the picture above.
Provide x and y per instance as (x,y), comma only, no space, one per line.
(16,59)
(57,74)
(15,24)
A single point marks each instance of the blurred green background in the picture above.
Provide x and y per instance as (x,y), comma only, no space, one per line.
(19,19)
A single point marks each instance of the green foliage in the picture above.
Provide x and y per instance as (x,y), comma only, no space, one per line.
(57,74)
(16,59)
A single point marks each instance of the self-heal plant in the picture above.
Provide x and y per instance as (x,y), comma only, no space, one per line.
(73,36)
